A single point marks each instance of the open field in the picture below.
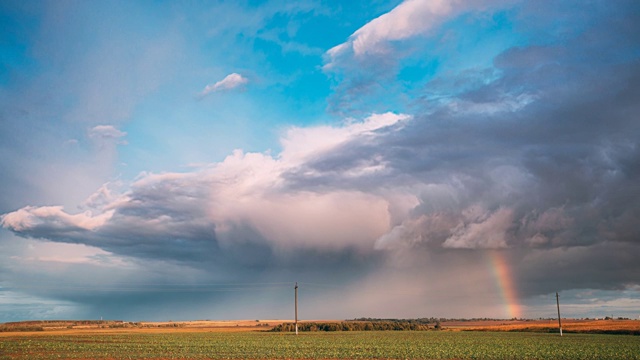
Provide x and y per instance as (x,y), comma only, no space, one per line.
(568,326)
(102,327)
(241,339)
(71,327)
(319,345)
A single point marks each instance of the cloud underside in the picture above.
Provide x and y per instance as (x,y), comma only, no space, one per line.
(540,163)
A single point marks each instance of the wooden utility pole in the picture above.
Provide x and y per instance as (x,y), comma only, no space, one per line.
(296,292)
(559,321)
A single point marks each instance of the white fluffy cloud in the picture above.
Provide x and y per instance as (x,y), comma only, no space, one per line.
(409,19)
(230,81)
(30,218)
(246,192)
(300,144)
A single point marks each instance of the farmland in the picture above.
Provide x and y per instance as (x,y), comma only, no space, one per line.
(166,344)
(629,327)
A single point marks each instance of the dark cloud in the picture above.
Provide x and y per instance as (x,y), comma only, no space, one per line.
(545,155)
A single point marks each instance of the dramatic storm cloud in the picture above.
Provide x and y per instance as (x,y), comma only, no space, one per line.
(408,159)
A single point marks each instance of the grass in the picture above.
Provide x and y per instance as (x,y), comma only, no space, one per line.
(342,345)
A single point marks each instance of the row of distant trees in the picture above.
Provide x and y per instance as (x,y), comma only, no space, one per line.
(357,326)
(431,320)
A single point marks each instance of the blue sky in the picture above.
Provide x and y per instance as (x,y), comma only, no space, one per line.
(167,160)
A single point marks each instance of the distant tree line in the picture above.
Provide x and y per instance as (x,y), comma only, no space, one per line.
(356,326)
(425,321)
(431,320)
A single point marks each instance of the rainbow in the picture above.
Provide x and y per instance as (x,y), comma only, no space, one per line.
(507,289)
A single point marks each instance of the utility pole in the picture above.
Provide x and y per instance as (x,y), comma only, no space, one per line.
(559,321)
(296,292)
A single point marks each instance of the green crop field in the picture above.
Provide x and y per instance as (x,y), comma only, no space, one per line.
(342,345)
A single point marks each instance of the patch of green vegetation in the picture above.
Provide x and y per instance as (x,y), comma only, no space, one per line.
(322,345)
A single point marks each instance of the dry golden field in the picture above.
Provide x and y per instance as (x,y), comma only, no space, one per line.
(568,325)
(106,327)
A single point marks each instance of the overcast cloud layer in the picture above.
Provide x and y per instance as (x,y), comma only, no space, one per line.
(449,134)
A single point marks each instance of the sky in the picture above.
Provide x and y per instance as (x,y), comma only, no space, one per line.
(165,160)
